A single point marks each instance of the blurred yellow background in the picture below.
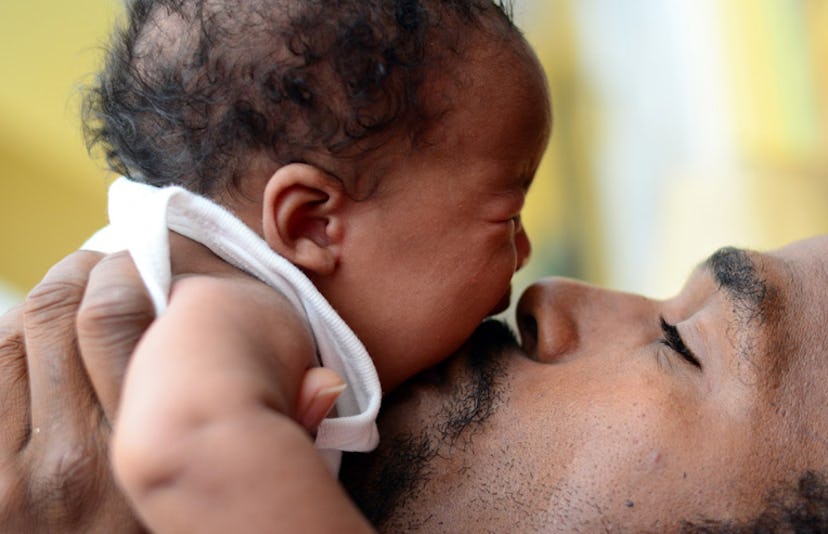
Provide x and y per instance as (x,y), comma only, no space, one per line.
(51,194)
(679,127)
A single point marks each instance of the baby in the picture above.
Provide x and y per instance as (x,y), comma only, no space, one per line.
(368,160)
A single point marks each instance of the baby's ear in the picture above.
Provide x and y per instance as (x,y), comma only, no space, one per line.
(302,217)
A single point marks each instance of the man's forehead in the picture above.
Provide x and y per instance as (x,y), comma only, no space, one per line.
(776,300)
(804,267)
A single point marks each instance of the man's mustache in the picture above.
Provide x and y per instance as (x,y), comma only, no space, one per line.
(382,482)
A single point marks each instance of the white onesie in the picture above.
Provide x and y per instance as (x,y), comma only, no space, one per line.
(140,216)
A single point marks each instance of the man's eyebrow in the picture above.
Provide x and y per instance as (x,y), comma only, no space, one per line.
(735,271)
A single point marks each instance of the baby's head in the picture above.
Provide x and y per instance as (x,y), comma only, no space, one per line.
(383,146)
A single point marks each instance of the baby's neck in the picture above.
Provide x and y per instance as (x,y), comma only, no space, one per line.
(188,257)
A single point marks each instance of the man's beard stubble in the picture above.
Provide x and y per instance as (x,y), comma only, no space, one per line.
(395,474)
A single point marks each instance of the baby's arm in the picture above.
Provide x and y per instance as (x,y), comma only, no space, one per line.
(205,440)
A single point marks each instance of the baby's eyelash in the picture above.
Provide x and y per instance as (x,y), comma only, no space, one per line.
(673,340)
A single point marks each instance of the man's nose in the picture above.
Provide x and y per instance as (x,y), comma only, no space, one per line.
(558,316)
(549,303)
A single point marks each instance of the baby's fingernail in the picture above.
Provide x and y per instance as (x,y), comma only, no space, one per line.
(321,405)
(331,390)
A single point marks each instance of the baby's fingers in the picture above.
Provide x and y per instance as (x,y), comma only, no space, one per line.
(317,395)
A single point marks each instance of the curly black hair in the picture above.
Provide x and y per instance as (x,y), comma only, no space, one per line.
(192,91)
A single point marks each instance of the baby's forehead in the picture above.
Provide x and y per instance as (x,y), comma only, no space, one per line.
(488,64)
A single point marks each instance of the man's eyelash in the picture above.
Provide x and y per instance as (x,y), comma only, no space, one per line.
(673,340)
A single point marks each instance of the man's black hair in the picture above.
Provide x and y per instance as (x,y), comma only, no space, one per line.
(194,90)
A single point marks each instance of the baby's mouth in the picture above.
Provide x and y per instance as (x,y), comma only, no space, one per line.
(503,304)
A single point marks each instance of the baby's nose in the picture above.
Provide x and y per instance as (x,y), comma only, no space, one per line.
(523,247)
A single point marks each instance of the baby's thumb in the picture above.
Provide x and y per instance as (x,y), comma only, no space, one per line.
(317,395)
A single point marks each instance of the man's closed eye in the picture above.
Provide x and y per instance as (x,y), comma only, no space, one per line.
(672,339)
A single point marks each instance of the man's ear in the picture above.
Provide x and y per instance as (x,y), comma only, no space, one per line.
(302,217)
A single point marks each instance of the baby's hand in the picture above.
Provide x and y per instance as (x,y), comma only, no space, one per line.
(317,395)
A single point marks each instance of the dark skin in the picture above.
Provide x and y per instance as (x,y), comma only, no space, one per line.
(61,395)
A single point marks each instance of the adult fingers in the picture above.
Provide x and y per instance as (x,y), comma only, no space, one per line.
(14,384)
(54,474)
(115,312)
(61,396)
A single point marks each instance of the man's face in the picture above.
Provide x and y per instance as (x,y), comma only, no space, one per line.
(627,411)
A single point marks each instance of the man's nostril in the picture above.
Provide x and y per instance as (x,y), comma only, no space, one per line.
(528,326)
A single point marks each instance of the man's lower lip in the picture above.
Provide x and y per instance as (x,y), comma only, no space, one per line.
(434,376)
(437,376)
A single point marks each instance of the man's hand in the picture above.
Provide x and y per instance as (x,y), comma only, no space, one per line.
(58,396)
(63,356)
